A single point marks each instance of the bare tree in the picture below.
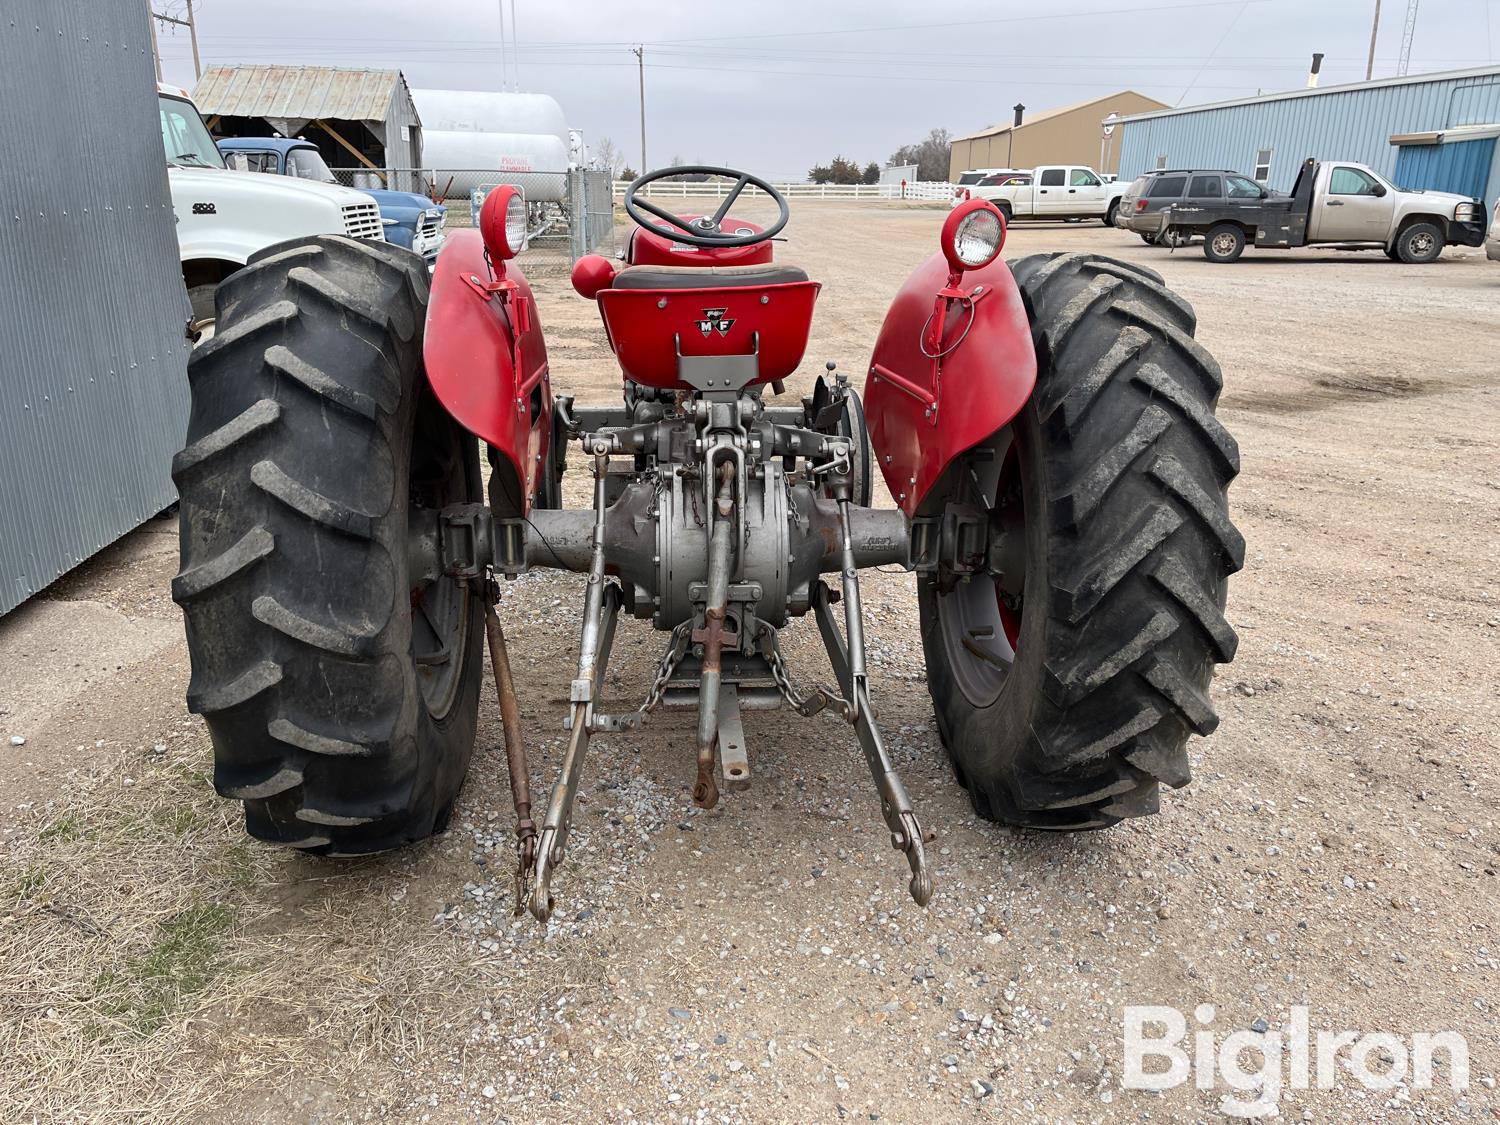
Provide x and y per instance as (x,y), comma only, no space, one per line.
(608,157)
(930,155)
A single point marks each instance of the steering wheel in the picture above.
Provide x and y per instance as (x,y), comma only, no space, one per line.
(705,231)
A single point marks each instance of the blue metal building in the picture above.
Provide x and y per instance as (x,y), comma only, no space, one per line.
(1435,131)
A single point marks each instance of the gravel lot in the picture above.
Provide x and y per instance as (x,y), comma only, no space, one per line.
(1337,848)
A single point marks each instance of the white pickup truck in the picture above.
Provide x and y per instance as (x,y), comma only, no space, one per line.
(224,217)
(1055,191)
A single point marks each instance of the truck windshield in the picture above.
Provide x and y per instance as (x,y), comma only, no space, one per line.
(184,138)
(308,164)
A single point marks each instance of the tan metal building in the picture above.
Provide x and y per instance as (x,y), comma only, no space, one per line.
(1070,134)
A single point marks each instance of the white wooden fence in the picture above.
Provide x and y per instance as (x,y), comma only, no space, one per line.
(717,189)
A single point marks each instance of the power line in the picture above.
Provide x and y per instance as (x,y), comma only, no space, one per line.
(618,43)
(1132,10)
(1233,20)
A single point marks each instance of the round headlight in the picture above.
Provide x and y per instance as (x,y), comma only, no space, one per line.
(972,235)
(515,223)
(977,238)
(502,222)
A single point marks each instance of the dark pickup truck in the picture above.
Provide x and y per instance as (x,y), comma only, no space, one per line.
(1339,204)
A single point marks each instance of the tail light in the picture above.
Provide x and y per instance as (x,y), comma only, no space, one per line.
(1140,205)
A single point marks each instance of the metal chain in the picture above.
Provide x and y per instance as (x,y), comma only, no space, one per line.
(811,704)
(676,650)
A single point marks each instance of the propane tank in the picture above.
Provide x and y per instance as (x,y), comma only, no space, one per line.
(488,111)
(455,158)
(468,131)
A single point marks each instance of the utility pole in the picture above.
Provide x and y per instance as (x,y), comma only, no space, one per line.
(640,58)
(191,24)
(1374,31)
(155,45)
(504,50)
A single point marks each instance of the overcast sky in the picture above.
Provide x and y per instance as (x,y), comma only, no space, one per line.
(775,86)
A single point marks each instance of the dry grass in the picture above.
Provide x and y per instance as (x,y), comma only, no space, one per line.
(152,967)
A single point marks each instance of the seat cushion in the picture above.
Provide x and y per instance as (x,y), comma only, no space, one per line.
(706,277)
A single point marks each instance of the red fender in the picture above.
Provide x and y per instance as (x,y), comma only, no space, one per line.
(482,328)
(924,412)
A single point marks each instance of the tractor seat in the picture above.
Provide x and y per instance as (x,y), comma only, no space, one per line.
(706,277)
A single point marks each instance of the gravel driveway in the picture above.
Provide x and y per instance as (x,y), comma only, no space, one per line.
(1337,848)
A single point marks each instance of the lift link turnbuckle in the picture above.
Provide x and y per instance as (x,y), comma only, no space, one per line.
(848,663)
(601,607)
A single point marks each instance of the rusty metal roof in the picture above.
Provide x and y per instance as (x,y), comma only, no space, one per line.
(306,92)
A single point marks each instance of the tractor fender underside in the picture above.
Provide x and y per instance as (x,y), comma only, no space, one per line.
(489,377)
(924,411)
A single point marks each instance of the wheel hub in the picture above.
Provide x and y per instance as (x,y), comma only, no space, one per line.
(979,614)
(440,599)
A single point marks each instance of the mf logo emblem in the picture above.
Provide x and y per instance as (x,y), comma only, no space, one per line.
(715,320)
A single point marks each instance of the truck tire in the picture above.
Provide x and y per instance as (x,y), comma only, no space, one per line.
(1419,243)
(340,687)
(1065,688)
(1109,215)
(1007,212)
(1224,243)
(201,327)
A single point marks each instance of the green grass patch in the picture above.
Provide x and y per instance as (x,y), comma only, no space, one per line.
(237,864)
(67,827)
(152,987)
(30,882)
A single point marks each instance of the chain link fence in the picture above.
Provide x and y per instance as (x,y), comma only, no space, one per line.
(570,214)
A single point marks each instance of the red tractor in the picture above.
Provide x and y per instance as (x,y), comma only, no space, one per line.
(1046,428)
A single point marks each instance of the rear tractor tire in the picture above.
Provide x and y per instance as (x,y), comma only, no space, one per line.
(1067,679)
(339,680)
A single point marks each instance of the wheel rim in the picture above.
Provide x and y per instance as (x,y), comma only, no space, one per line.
(202,331)
(1223,244)
(440,604)
(979,619)
(1421,243)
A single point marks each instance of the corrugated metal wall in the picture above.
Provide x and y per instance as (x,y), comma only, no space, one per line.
(1354,124)
(1463,166)
(93,364)
(403,129)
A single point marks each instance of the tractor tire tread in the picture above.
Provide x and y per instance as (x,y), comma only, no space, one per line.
(290,550)
(1138,524)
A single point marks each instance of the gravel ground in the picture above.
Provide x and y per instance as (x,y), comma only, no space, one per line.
(1336,849)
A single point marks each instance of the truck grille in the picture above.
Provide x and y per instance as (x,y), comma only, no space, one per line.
(362,220)
(429,224)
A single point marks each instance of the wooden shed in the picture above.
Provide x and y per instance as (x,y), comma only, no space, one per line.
(355,117)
